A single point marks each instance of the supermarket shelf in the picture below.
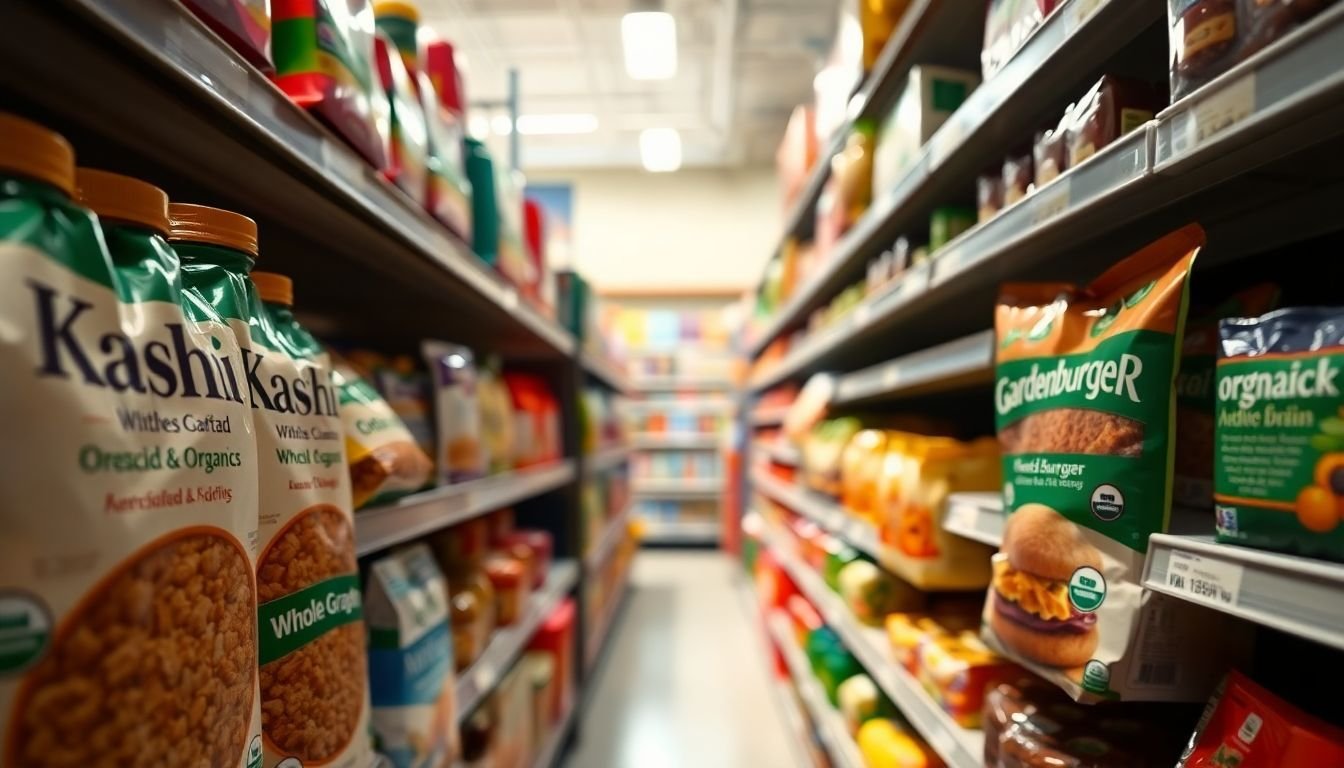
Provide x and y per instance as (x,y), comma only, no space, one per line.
(679,384)
(830,725)
(175,104)
(779,452)
(672,441)
(604,371)
(617,529)
(976,516)
(602,632)
(414,516)
(944,367)
(768,417)
(787,702)
(960,747)
(1297,595)
(828,514)
(679,489)
(1076,39)
(607,458)
(679,533)
(507,643)
(550,750)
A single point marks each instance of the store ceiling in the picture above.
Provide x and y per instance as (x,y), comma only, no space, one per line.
(743,65)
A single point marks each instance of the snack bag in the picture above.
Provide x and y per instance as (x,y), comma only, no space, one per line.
(452,370)
(313,676)
(1193,482)
(411,660)
(385,460)
(1246,726)
(822,451)
(1085,406)
(408,138)
(323,53)
(918,475)
(1279,439)
(497,425)
(127,478)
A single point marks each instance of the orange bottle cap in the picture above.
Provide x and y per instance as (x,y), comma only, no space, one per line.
(29,150)
(122,199)
(273,288)
(203,224)
(397,8)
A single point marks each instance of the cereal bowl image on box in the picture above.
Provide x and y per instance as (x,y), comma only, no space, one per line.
(1084,394)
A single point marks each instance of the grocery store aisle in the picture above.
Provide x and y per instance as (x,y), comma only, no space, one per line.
(684,684)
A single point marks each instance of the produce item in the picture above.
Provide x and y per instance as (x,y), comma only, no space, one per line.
(930,96)
(885,743)
(822,452)
(1246,726)
(407,149)
(411,660)
(1084,406)
(441,97)
(988,196)
(457,417)
(244,24)
(1113,107)
(123,476)
(871,593)
(1195,399)
(1279,452)
(1018,177)
(323,53)
(1030,723)
(946,223)
(918,474)
(511,584)
(385,460)
(859,701)
(957,669)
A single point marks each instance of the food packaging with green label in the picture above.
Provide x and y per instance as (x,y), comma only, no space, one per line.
(408,138)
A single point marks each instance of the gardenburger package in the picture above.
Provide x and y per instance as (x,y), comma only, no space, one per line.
(1085,406)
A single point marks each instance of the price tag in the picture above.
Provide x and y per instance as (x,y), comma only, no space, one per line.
(1051,201)
(1219,111)
(1204,579)
(1078,12)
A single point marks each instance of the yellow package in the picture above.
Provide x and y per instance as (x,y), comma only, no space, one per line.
(918,475)
(860,469)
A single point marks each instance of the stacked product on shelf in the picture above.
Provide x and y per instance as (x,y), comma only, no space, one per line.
(1156,519)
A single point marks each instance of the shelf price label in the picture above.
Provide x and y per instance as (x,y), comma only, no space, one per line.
(1204,579)
(1051,201)
(1214,115)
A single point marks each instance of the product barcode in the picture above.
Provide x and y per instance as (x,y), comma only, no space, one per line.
(1155,673)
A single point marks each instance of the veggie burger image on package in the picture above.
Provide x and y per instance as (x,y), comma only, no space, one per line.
(1085,406)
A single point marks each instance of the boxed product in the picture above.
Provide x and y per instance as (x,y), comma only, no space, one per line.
(536,420)
(1030,723)
(918,474)
(457,417)
(411,679)
(1246,726)
(931,95)
(957,669)
(1279,437)
(244,24)
(407,149)
(95,508)
(1084,402)
(1113,107)
(1208,37)
(1195,397)
(323,53)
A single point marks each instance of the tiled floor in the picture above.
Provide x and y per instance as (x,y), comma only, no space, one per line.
(683,683)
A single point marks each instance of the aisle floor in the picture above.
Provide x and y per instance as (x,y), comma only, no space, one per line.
(684,682)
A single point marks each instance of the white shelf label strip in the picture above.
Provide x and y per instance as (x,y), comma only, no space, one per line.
(1204,579)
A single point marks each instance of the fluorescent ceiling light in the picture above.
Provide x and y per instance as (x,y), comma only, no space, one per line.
(660,149)
(478,126)
(558,124)
(501,125)
(649,39)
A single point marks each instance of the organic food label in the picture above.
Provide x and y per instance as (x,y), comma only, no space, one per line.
(1279,464)
(1084,397)
(128,503)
